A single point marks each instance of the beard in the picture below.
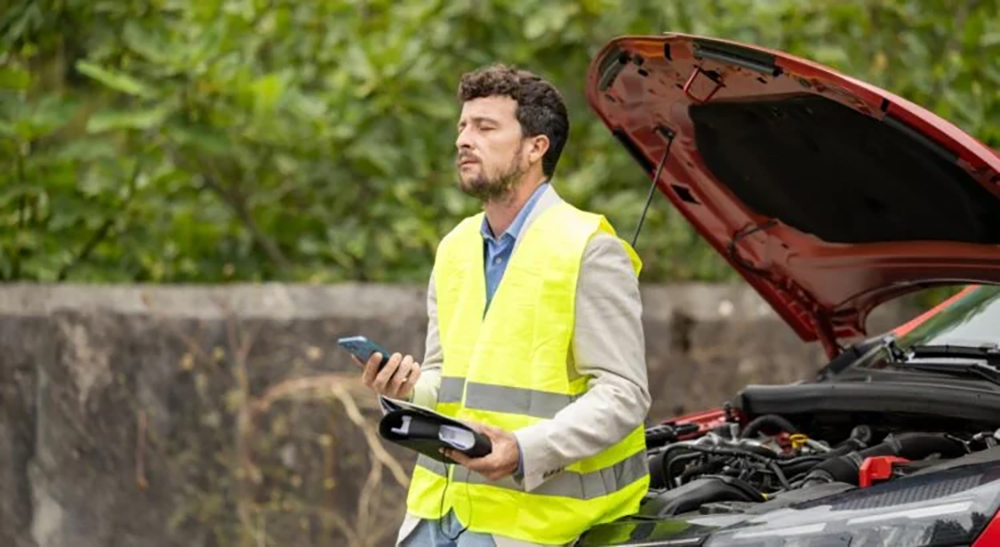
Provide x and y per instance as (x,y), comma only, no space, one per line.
(487,189)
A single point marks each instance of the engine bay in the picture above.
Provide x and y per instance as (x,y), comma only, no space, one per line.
(727,462)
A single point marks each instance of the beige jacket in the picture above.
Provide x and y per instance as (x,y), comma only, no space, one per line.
(608,346)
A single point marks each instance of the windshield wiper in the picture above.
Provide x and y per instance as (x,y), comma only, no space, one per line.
(989,352)
(981,370)
(984,359)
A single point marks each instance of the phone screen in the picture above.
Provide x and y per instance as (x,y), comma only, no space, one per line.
(363,348)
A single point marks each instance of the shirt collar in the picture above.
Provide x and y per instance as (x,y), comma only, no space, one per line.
(514,230)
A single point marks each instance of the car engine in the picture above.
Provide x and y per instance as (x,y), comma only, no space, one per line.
(736,464)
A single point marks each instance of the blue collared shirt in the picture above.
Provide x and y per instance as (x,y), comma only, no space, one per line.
(497,251)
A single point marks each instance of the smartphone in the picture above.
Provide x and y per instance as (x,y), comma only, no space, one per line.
(363,348)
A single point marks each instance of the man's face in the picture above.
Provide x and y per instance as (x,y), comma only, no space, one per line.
(490,156)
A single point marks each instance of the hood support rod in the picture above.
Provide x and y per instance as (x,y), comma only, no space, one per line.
(669,134)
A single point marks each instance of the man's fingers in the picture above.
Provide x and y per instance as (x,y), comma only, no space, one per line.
(405,378)
(475,426)
(498,463)
(371,369)
(492,431)
(495,475)
(486,466)
(382,379)
(458,457)
(402,374)
(475,464)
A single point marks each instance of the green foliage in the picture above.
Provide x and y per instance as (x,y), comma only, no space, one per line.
(183,141)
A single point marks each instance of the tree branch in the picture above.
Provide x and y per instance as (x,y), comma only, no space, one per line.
(237,202)
(102,231)
(95,239)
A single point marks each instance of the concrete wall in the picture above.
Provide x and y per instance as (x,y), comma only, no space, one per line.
(188,416)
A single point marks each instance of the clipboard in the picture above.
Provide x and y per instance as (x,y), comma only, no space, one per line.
(426,431)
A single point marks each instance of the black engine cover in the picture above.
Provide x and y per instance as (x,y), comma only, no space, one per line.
(694,494)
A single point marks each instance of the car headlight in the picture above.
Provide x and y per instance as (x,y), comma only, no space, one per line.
(942,508)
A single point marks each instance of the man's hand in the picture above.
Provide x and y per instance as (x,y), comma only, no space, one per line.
(397,377)
(500,462)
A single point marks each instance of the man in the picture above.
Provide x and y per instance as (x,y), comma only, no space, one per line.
(534,338)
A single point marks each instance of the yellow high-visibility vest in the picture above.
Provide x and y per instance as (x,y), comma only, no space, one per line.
(508,367)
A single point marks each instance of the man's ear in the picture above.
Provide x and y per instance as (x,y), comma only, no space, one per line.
(539,146)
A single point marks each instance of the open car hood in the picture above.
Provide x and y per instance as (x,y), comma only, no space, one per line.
(830,196)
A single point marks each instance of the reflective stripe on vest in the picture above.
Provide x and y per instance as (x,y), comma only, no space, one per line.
(569,484)
(512,400)
(510,367)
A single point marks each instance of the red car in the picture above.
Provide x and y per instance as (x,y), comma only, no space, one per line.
(830,197)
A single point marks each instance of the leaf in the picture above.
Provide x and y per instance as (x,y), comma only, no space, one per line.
(113,79)
(43,117)
(9,193)
(128,119)
(86,149)
(18,23)
(145,43)
(14,78)
(990,39)
(206,138)
(267,91)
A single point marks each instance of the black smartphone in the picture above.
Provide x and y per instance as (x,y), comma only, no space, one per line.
(363,348)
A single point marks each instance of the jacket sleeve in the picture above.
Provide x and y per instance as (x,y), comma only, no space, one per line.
(609,347)
(426,391)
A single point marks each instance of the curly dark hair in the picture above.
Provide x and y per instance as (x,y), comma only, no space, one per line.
(540,107)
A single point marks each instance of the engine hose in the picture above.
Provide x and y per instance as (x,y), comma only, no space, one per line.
(812,458)
(760,451)
(848,446)
(661,464)
(801,464)
(702,469)
(668,466)
(801,467)
(773,421)
(912,446)
(768,461)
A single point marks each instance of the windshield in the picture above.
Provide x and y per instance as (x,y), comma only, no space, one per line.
(972,320)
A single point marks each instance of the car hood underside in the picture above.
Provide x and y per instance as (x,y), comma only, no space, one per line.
(830,196)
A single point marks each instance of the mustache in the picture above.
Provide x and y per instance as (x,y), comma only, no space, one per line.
(464,157)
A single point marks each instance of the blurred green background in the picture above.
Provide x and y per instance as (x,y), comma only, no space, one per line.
(313,140)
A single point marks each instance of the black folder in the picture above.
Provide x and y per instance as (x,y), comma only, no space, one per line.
(426,431)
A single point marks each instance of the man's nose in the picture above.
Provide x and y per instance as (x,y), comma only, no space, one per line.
(463,141)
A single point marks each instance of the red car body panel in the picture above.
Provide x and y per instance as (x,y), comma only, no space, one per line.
(990,537)
(823,290)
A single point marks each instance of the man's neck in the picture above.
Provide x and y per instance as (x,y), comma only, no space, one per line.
(500,212)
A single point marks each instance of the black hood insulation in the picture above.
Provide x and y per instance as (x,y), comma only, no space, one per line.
(830,171)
